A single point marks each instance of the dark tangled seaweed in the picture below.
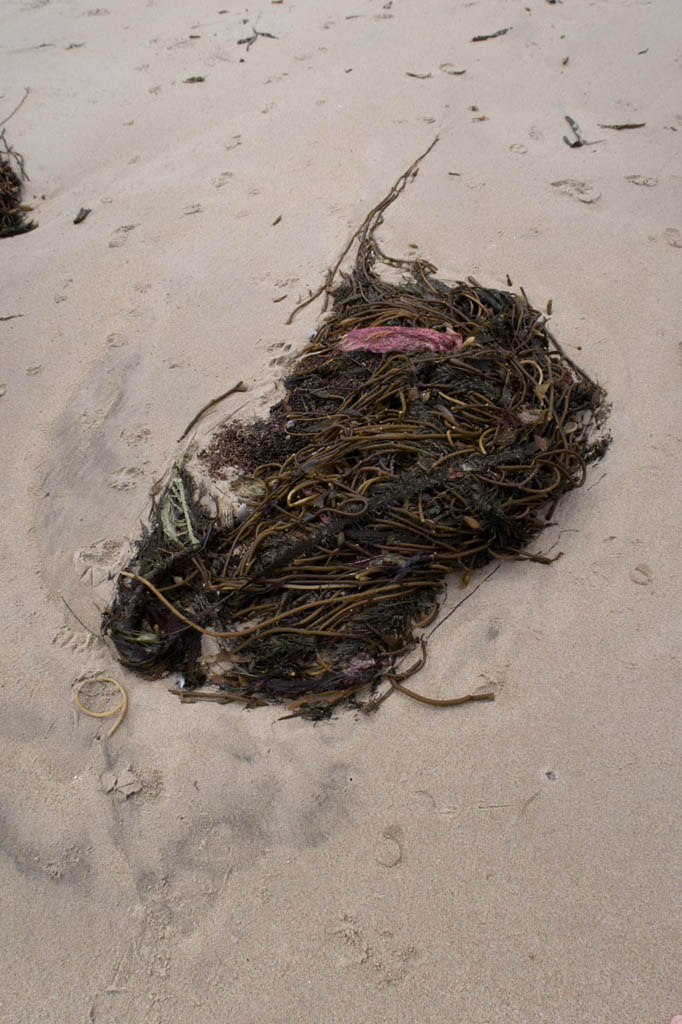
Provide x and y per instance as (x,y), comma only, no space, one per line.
(12,175)
(378,475)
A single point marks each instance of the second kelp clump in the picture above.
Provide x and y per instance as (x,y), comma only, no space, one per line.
(12,175)
(376,476)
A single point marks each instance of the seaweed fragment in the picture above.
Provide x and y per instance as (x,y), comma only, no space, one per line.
(490,35)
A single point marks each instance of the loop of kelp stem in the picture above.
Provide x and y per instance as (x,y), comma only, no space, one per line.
(122,707)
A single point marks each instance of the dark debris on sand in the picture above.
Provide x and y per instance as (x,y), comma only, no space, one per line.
(375,478)
(13,212)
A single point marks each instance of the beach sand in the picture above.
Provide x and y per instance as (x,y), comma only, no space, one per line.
(518,861)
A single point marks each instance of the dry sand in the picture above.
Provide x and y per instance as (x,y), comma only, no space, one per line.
(519,861)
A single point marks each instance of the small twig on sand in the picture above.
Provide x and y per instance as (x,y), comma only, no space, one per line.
(460,603)
(86,628)
(250,40)
(372,220)
(240,386)
(623,127)
(568,359)
(19,104)
(490,35)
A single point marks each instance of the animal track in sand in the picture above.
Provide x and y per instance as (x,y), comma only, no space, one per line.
(641,179)
(379,953)
(116,340)
(126,478)
(125,781)
(222,179)
(68,639)
(642,575)
(97,563)
(673,237)
(56,862)
(582,191)
(135,435)
(119,236)
(388,851)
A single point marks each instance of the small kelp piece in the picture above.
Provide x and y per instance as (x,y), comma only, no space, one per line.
(175,517)
(120,709)
(400,339)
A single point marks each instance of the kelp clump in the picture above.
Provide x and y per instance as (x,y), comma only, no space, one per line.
(12,176)
(378,474)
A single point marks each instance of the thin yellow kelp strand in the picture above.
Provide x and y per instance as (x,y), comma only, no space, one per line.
(122,707)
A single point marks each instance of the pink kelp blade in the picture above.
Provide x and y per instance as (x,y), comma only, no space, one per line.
(400,339)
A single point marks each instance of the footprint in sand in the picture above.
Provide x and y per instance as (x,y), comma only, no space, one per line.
(222,179)
(641,179)
(71,640)
(135,435)
(97,563)
(119,237)
(388,851)
(580,190)
(126,478)
(673,237)
(116,340)
(642,575)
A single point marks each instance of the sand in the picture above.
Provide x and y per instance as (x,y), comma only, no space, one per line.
(517,861)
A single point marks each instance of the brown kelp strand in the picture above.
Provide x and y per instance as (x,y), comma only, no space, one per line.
(375,477)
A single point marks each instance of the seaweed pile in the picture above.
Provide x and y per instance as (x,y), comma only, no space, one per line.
(377,475)
(12,175)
